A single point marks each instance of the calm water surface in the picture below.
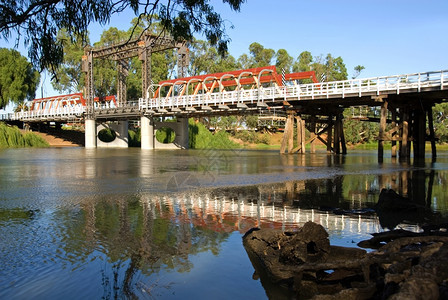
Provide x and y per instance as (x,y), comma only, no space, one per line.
(104,223)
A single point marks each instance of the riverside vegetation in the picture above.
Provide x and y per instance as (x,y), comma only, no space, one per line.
(11,137)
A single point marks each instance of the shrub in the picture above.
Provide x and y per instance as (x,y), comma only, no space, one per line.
(11,137)
(201,138)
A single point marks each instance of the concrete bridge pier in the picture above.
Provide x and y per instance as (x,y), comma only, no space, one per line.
(149,129)
(183,141)
(90,133)
(147,132)
(121,134)
(120,128)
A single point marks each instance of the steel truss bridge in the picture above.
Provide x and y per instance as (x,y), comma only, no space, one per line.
(237,92)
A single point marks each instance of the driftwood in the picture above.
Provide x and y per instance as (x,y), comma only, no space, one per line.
(405,264)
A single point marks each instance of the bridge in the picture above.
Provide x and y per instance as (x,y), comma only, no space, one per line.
(406,102)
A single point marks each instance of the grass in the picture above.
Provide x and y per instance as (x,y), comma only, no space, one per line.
(201,138)
(387,146)
(11,137)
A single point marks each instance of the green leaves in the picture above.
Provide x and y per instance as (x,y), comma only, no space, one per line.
(11,137)
(440,115)
(327,69)
(38,22)
(18,79)
(205,59)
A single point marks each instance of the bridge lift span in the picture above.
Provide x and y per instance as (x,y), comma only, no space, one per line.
(248,79)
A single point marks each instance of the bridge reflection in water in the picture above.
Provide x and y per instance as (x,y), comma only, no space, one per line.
(147,234)
(222,214)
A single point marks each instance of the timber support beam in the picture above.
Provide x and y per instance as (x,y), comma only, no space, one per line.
(321,129)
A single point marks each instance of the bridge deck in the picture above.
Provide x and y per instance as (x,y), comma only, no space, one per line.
(432,85)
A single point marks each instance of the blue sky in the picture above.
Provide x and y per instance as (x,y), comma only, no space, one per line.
(387,37)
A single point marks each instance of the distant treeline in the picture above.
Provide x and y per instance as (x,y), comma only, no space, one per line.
(11,137)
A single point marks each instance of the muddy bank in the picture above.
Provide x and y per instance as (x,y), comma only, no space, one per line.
(406,265)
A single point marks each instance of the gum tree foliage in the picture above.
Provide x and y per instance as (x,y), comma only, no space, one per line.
(283,61)
(205,59)
(69,74)
(259,57)
(440,115)
(327,69)
(37,22)
(303,63)
(18,78)
(357,71)
(105,70)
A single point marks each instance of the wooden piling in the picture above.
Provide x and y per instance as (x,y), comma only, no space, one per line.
(290,132)
(394,124)
(382,130)
(288,135)
(313,135)
(300,134)
(404,149)
(329,133)
(420,133)
(432,136)
(342,136)
(336,142)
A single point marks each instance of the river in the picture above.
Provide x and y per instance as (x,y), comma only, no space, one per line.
(77,223)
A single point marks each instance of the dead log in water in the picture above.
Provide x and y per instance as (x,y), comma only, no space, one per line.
(306,263)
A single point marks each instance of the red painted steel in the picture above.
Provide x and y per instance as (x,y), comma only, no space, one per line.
(245,77)
(69,99)
(208,82)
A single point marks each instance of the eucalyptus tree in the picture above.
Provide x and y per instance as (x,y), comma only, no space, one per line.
(244,61)
(335,68)
(357,71)
(440,116)
(18,78)
(303,63)
(105,70)
(205,59)
(327,68)
(37,23)
(69,77)
(283,61)
(260,56)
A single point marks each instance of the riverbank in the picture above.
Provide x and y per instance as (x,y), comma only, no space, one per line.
(61,138)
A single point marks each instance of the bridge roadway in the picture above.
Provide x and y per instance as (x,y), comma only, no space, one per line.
(408,97)
(355,92)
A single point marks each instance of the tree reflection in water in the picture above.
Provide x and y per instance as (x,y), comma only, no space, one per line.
(139,238)
(141,235)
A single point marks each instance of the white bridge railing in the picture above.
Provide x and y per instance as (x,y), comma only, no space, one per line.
(335,89)
(37,115)
(417,82)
